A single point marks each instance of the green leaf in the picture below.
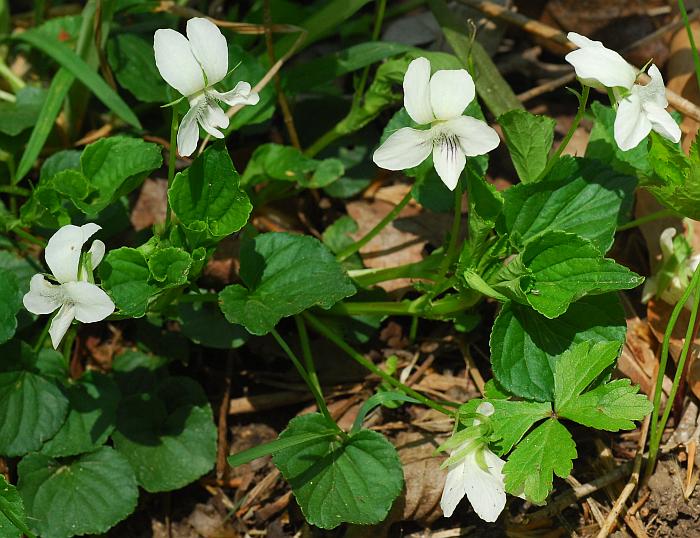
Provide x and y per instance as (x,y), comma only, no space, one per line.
(380,398)
(610,406)
(557,268)
(512,419)
(91,417)
(77,66)
(23,113)
(208,192)
(546,451)
(529,140)
(32,410)
(204,324)
(133,63)
(286,163)
(284,274)
(170,265)
(168,436)
(677,180)
(525,346)
(60,84)
(278,444)
(87,495)
(589,200)
(335,481)
(10,304)
(13,520)
(124,274)
(115,166)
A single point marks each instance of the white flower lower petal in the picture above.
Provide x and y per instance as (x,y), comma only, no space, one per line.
(60,324)
(63,250)
(449,160)
(176,62)
(662,122)
(213,118)
(475,136)
(485,489)
(209,48)
(453,491)
(451,90)
(404,149)
(242,94)
(655,91)
(90,301)
(416,91)
(597,66)
(631,124)
(188,131)
(42,297)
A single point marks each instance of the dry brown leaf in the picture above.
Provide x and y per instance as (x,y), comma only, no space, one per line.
(638,360)
(150,205)
(680,72)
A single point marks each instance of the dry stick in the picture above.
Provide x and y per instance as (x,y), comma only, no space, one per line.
(630,486)
(681,104)
(222,445)
(263,82)
(281,97)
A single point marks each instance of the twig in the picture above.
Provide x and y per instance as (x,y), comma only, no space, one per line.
(222,446)
(537,28)
(281,97)
(592,504)
(547,87)
(629,487)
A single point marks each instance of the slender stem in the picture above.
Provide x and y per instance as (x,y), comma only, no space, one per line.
(323,141)
(369,365)
(647,218)
(435,310)
(42,336)
(378,19)
(306,352)
(19,232)
(171,166)
(68,346)
(320,402)
(13,80)
(691,39)
(657,428)
(12,189)
(357,245)
(424,269)
(572,129)
(454,232)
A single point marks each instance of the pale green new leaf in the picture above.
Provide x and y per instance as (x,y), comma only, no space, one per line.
(529,139)
(354,480)
(546,451)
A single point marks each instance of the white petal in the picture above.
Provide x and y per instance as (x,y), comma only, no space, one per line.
(97,252)
(188,130)
(631,124)
(404,149)
(176,63)
(475,136)
(650,289)
(451,90)
(416,91)
(666,242)
(655,90)
(91,302)
(597,65)
(662,122)
(60,324)
(209,47)
(42,297)
(242,94)
(453,491)
(212,118)
(449,160)
(63,250)
(486,408)
(485,489)
(582,41)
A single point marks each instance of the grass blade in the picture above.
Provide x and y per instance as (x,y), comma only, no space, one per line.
(72,62)
(275,446)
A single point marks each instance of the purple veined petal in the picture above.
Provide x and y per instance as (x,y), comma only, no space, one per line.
(449,160)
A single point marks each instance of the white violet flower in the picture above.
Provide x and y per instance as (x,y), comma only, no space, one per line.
(75,296)
(193,65)
(476,474)
(439,102)
(641,108)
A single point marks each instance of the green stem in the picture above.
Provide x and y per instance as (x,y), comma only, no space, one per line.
(42,336)
(320,402)
(306,352)
(324,140)
(378,19)
(68,346)
(13,80)
(369,365)
(647,218)
(12,189)
(357,245)
(171,166)
(583,100)
(454,233)
(657,427)
(19,232)
(691,39)
(424,269)
(451,304)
